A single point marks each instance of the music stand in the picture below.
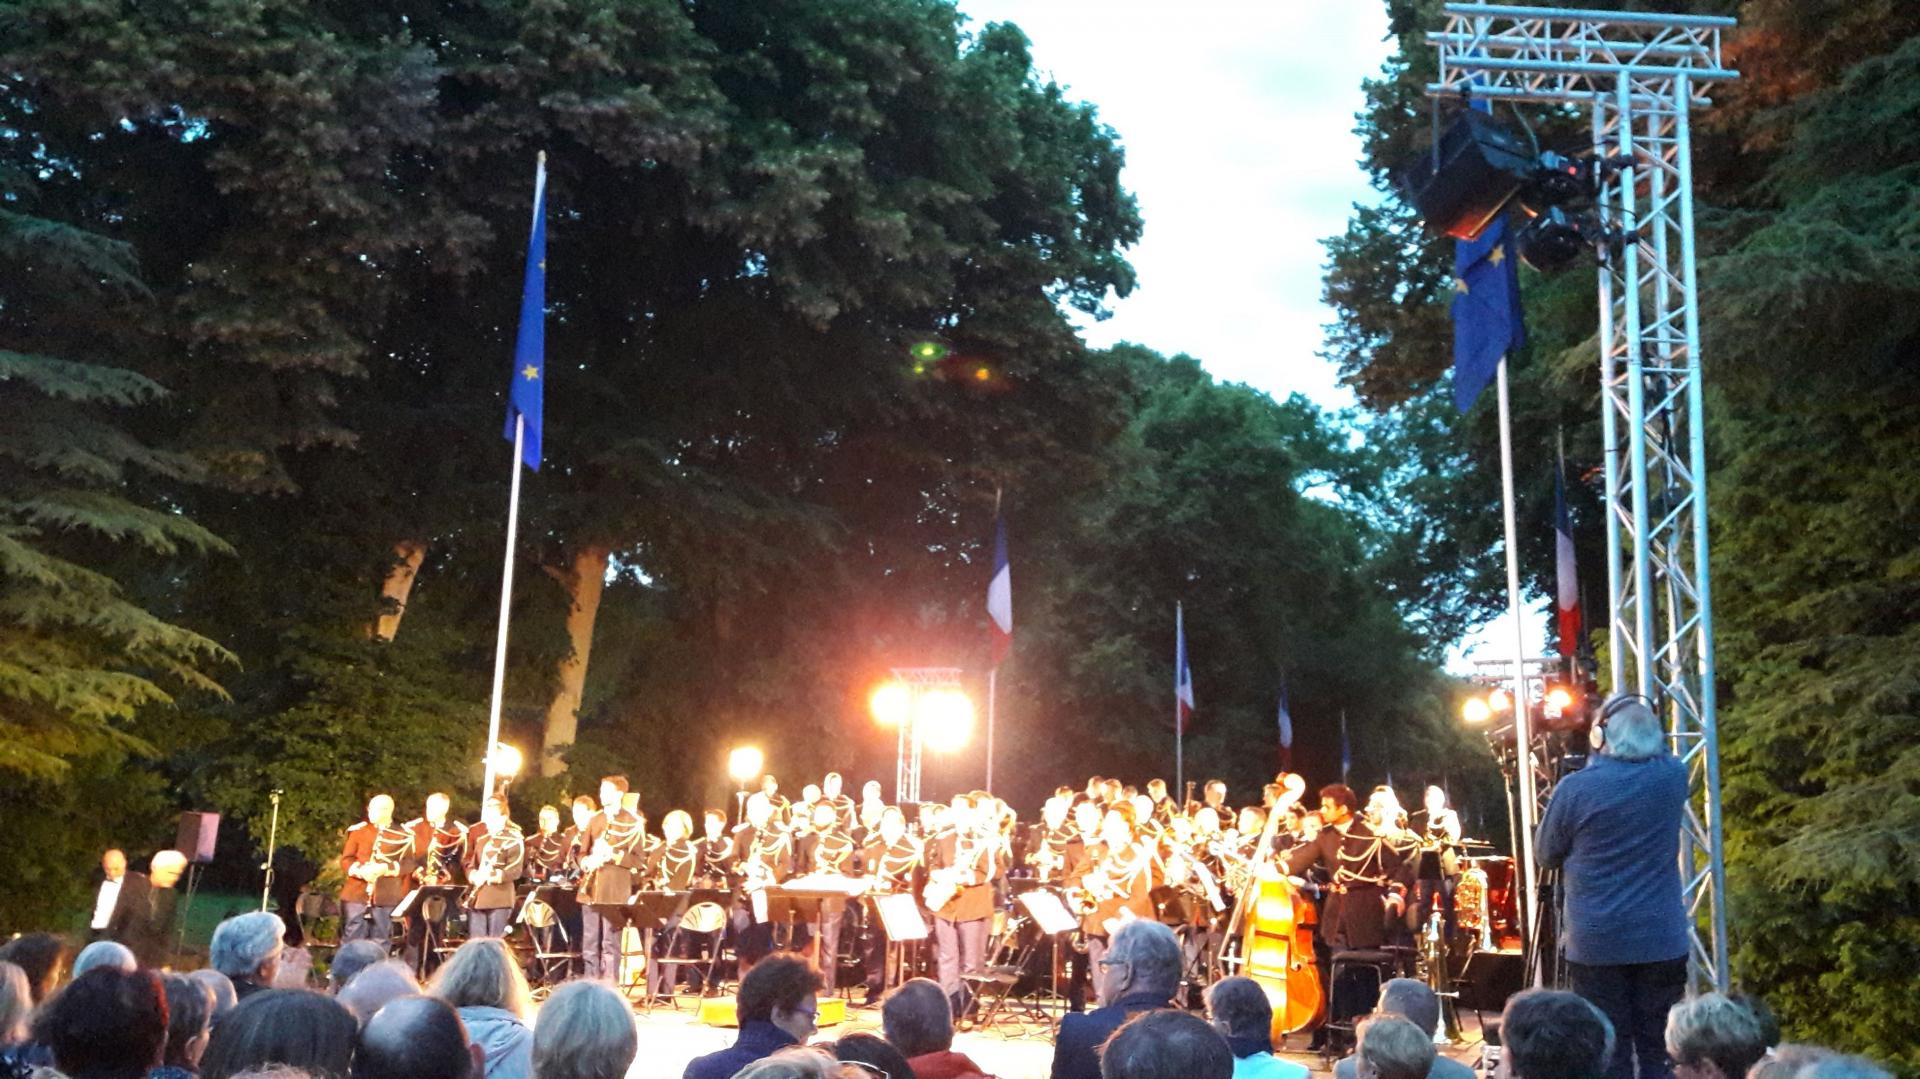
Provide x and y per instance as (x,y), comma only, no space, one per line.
(1055,921)
(902,924)
(432,931)
(553,897)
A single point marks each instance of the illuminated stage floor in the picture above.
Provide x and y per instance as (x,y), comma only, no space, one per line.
(1024,1050)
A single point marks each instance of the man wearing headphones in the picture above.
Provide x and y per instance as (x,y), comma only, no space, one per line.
(1613,830)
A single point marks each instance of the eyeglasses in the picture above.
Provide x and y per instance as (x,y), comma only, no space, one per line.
(871,1069)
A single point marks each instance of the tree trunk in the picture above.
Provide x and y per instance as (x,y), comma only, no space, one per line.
(396,587)
(583,581)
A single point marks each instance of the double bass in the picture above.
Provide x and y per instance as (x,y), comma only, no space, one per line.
(1271,931)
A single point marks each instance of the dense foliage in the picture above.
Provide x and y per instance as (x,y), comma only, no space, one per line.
(1809,205)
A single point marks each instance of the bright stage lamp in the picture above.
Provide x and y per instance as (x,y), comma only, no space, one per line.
(1475,710)
(1500,701)
(1559,700)
(945,719)
(506,760)
(744,763)
(891,704)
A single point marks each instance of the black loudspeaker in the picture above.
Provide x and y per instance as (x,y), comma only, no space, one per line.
(1490,978)
(196,836)
(1481,165)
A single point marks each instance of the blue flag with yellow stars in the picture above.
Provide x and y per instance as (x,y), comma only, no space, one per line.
(525,398)
(1486,310)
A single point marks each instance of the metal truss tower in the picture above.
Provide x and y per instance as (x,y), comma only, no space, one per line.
(1639,76)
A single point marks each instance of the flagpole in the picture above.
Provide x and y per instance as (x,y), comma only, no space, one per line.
(1522,724)
(1179,723)
(506,606)
(993,678)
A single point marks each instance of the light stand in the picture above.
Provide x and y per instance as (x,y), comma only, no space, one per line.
(273,837)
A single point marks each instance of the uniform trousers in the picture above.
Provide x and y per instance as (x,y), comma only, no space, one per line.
(827,932)
(366,921)
(488,923)
(959,948)
(600,930)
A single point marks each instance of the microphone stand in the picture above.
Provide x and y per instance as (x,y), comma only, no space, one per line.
(273,837)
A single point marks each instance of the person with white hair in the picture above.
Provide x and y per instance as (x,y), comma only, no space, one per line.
(105,953)
(247,950)
(1139,972)
(585,1032)
(1613,831)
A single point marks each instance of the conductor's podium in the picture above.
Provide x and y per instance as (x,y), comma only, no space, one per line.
(720,1012)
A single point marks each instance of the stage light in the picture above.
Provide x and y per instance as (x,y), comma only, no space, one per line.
(927,351)
(944,718)
(891,703)
(744,764)
(506,760)
(1559,700)
(1500,701)
(1475,710)
(1552,241)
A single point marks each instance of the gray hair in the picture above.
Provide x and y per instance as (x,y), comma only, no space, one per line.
(241,945)
(1413,1001)
(918,1018)
(352,958)
(1713,1027)
(1394,1048)
(1153,953)
(585,1032)
(105,953)
(1240,1004)
(374,986)
(221,986)
(1633,730)
(16,1000)
(189,1015)
(1165,1042)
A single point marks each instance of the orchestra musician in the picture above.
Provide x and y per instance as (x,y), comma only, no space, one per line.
(827,849)
(495,859)
(715,850)
(1214,797)
(614,841)
(439,846)
(1365,893)
(871,806)
(763,856)
(375,860)
(832,791)
(1048,857)
(1438,864)
(1117,885)
(961,865)
(673,865)
(1163,808)
(548,848)
(890,859)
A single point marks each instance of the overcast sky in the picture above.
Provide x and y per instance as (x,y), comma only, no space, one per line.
(1237,117)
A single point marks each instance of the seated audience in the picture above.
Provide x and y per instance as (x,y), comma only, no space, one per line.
(297,1027)
(1786,1061)
(16,1004)
(1166,1044)
(1139,973)
(42,956)
(1390,1047)
(353,957)
(220,986)
(372,988)
(1415,1002)
(1842,1066)
(1243,1015)
(106,1024)
(1551,1034)
(417,1038)
(1711,1037)
(189,1019)
(799,1062)
(247,950)
(777,1006)
(105,953)
(585,1031)
(918,1020)
(873,1051)
(483,981)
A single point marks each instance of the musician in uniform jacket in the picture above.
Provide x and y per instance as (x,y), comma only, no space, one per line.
(959,892)
(673,865)
(891,858)
(376,860)
(548,848)
(439,845)
(495,859)
(615,852)
(763,855)
(715,850)
(827,849)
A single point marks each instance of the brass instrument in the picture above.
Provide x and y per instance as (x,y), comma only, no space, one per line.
(944,884)
(488,865)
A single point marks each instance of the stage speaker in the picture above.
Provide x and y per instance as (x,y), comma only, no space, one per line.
(196,836)
(1490,978)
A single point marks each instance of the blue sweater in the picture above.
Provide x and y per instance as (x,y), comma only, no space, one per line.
(758,1038)
(1613,829)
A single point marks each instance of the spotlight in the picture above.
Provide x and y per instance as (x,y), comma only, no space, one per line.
(891,703)
(1476,711)
(744,764)
(1552,241)
(1500,701)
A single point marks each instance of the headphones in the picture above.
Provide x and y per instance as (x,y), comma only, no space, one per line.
(1597,734)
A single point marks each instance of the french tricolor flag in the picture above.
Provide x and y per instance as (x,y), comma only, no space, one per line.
(1182,674)
(1000,593)
(1566,572)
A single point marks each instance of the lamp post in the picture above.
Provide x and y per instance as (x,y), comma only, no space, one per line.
(504,762)
(744,765)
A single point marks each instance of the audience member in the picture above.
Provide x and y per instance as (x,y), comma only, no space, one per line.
(105,953)
(1786,1061)
(872,1051)
(585,1032)
(221,986)
(42,956)
(1243,1015)
(777,1006)
(1769,1026)
(417,1038)
(482,979)
(106,1024)
(18,1054)
(297,1027)
(1415,1002)
(1390,1047)
(1550,1034)
(372,988)
(918,1020)
(247,950)
(274,1071)
(189,1018)
(1842,1066)
(1139,973)
(353,957)
(797,1062)
(1166,1044)
(1711,1037)
(1613,830)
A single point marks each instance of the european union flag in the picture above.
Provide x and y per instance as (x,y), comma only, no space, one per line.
(525,399)
(1486,310)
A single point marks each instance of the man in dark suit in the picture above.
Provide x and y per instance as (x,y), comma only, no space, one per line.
(143,920)
(1139,973)
(131,903)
